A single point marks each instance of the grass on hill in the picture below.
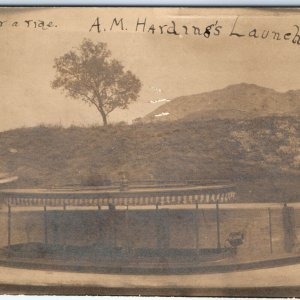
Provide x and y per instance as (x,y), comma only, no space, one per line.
(262,155)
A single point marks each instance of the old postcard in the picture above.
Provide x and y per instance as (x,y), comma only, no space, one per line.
(150,151)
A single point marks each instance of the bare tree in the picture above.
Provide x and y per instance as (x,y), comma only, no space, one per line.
(90,74)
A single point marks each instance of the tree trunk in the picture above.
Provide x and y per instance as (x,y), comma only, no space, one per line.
(104,117)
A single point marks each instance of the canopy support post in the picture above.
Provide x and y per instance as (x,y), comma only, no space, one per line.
(197,226)
(98,222)
(157,226)
(270,230)
(100,235)
(64,232)
(45,226)
(218,225)
(127,230)
(113,233)
(9,228)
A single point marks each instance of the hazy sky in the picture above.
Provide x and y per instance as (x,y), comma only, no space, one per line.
(168,65)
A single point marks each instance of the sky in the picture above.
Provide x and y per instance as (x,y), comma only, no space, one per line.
(168,65)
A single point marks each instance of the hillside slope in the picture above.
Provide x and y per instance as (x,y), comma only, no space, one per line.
(261,155)
(240,101)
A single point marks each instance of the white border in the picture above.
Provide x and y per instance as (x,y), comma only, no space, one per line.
(282,3)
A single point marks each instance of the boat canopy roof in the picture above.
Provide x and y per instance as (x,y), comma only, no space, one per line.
(114,195)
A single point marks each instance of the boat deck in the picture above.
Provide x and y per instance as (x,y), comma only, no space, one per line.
(140,261)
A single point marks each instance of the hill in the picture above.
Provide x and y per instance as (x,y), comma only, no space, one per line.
(261,155)
(240,101)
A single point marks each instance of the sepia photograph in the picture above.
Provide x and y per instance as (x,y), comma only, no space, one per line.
(150,151)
